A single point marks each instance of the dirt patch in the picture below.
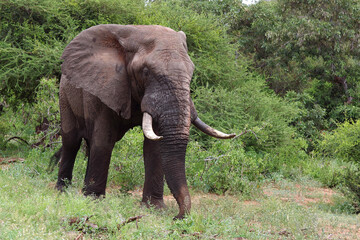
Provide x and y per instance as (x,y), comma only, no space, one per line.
(305,196)
(136,193)
(197,198)
(341,232)
(251,203)
(6,162)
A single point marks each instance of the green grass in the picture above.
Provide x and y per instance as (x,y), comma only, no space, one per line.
(30,208)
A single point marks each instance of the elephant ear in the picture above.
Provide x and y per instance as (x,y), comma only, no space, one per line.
(95,62)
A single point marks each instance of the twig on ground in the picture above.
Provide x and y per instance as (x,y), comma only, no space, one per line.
(11,160)
(80,236)
(132,219)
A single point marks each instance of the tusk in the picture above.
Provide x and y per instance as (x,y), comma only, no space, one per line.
(148,129)
(210,131)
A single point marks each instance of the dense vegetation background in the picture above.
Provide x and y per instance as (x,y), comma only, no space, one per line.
(285,72)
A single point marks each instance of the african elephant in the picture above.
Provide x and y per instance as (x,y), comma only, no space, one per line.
(114,78)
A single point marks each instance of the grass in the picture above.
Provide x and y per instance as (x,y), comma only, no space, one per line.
(30,208)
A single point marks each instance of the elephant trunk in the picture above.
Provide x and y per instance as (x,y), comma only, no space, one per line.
(172,121)
(172,149)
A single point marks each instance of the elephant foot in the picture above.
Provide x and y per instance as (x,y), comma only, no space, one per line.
(62,185)
(95,194)
(154,202)
(182,213)
(184,203)
(179,217)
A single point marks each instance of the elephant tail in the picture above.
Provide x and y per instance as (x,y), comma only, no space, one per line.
(54,160)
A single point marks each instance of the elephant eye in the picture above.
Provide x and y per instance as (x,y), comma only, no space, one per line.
(146,72)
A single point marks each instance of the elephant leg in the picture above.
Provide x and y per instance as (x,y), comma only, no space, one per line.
(71,144)
(97,170)
(154,175)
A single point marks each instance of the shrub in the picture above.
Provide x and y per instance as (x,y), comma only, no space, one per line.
(224,167)
(249,106)
(352,187)
(37,124)
(329,172)
(343,142)
(34,33)
(127,163)
(270,144)
(311,118)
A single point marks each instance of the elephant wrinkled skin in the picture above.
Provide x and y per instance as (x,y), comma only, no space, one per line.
(116,77)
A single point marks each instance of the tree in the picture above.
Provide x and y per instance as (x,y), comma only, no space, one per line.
(308,45)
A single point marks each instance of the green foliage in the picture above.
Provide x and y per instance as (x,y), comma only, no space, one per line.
(302,45)
(225,11)
(329,172)
(343,142)
(209,45)
(3,129)
(127,163)
(28,46)
(224,168)
(268,144)
(352,187)
(34,33)
(250,106)
(311,118)
(38,123)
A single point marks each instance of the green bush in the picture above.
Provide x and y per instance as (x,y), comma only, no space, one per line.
(127,163)
(329,172)
(343,142)
(270,144)
(311,119)
(250,106)
(306,46)
(38,124)
(352,187)
(3,130)
(34,33)
(225,167)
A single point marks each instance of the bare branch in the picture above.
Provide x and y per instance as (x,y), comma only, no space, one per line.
(18,138)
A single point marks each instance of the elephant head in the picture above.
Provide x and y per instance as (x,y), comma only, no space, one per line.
(136,71)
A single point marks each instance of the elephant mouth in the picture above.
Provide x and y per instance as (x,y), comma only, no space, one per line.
(150,134)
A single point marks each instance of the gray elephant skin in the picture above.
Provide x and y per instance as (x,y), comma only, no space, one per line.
(116,77)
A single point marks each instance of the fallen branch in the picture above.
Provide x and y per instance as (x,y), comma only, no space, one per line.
(34,145)
(132,219)
(11,160)
(83,225)
(80,236)
(18,138)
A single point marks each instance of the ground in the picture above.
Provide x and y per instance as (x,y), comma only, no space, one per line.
(30,208)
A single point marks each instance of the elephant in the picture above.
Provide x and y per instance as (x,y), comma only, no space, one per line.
(115,77)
